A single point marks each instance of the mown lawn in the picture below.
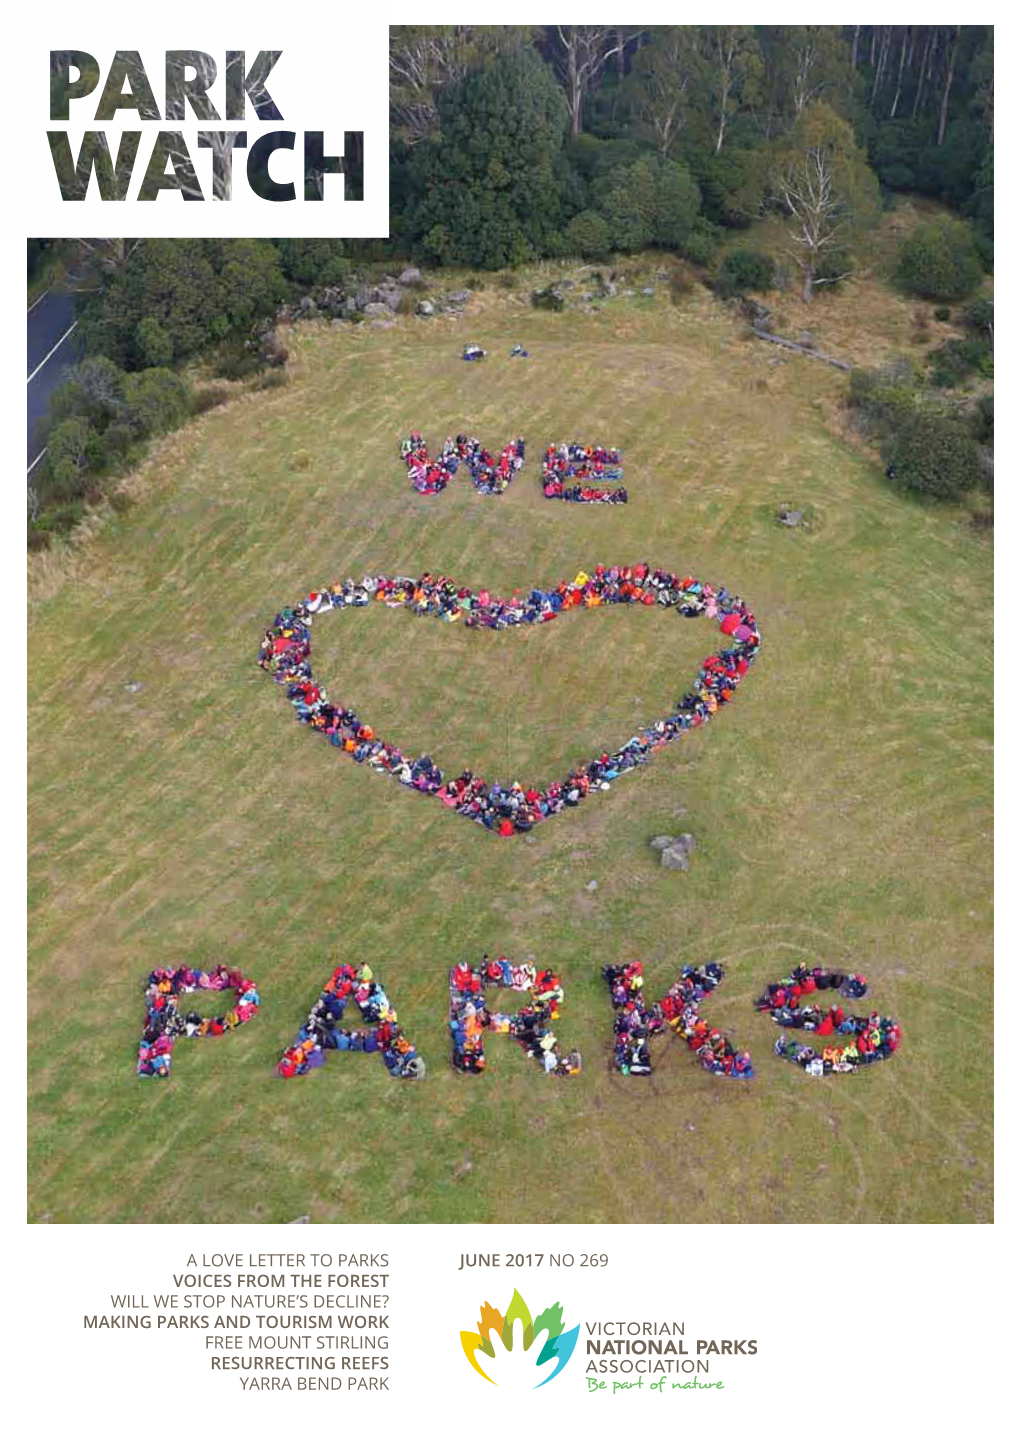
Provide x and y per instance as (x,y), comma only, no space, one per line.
(842,806)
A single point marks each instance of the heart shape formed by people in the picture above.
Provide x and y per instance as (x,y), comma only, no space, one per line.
(285,653)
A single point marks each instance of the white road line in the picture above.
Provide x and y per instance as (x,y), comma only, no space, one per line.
(37,459)
(32,307)
(59,343)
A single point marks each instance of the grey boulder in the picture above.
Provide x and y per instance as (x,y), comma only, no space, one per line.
(677,855)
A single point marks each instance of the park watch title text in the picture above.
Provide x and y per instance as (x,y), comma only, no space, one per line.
(216,100)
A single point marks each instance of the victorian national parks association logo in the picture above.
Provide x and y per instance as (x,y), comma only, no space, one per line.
(525,1363)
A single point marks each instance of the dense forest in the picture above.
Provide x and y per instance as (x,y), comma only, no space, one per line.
(512,142)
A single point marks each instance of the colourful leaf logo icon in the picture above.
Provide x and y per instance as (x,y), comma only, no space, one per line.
(496,1328)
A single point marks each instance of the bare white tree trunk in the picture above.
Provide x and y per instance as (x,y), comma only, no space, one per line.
(587,49)
(919,92)
(807,189)
(726,50)
(899,76)
(880,68)
(944,110)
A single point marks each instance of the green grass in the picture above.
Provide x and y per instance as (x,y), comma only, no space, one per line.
(842,806)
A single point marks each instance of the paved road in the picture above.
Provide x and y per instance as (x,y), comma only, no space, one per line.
(52,348)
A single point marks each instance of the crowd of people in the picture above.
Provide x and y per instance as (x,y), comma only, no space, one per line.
(511,808)
(808,1000)
(323,1030)
(801,1001)
(491,475)
(531,1027)
(636,1021)
(569,471)
(165,1021)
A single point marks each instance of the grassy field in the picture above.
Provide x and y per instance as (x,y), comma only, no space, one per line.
(842,806)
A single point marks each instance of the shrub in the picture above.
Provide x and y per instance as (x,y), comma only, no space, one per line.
(882,399)
(733,184)
(116,443)
(234,360)
(557,245)
(744,270)
(594,158)
(702,244)
(588,234)
(437,245)
(832,267)
(940,261)
(980,315)
(313,262)
(94,389)
(195,291)
(954,361)
(651,203)
(72,449)
(485,191)
(63,517)
(943,313)
(153,344)
(155,400)
(677,202)
(932,454)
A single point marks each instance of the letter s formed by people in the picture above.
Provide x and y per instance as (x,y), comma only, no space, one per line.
(809,1001)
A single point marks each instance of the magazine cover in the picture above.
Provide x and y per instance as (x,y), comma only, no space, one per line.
(509,550)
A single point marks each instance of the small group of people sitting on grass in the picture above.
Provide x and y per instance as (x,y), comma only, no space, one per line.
(165,1022)
(323,1031)
(569,470)
(801,1001)
(490,475)
(531,1026)
(507,809)
(636,1021)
